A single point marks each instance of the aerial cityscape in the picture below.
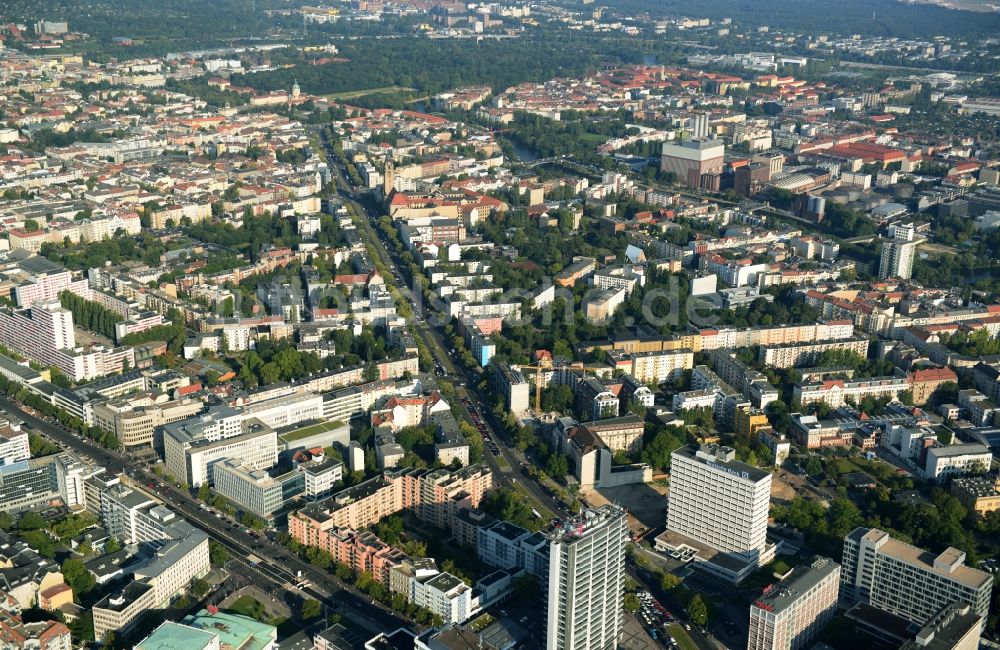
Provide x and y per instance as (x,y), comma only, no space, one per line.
(522,324)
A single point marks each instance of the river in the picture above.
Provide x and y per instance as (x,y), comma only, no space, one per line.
(526,154)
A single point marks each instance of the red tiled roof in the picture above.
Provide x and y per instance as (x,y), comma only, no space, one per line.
(933,374)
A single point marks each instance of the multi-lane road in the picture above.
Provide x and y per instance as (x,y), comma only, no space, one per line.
(278,568)
(506,463)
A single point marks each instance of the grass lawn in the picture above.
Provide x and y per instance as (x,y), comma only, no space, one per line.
(684,640)
(311,430)
(248,606)
(354,94)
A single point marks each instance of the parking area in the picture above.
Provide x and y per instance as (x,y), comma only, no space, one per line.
(656,620)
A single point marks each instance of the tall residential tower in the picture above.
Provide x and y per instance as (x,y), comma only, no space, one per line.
(586,580)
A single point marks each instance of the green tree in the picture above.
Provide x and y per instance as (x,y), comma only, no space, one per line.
(656,451)
(698,610)
(311,609)
(669,582)
(558,398)
(78,577)
(390,529)
(200,587)
(30,521)
(557,466)
(252,522)
(218,554)
(82,627)
(632,603)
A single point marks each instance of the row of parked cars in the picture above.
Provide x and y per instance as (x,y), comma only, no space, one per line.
(480,424)
(656,619)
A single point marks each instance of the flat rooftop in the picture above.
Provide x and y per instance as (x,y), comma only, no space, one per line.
(924,560)
(718,457)
(801,580)
(174,636)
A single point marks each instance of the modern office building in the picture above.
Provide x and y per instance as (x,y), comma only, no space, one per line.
(445,595)
(718,507)
(955,627)
(586,580)
(122,611)
(947,461)
(193,446)
(345,404)
(321,476)
(27,483)
(136,425)
(286,410)
(133,517)
(498,544)
(907,581)
(255,489)
(790,614)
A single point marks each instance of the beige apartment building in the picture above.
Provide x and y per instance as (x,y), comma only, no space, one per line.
(134,424)
(431,494)
(790,355)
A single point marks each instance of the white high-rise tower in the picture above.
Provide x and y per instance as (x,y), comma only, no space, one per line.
(586,581)
(719,507)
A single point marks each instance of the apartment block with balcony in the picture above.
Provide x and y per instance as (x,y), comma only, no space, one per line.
(907,581)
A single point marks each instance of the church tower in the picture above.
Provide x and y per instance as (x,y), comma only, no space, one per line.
(390,177)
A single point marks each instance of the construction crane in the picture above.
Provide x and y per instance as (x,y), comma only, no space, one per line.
(539,368)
